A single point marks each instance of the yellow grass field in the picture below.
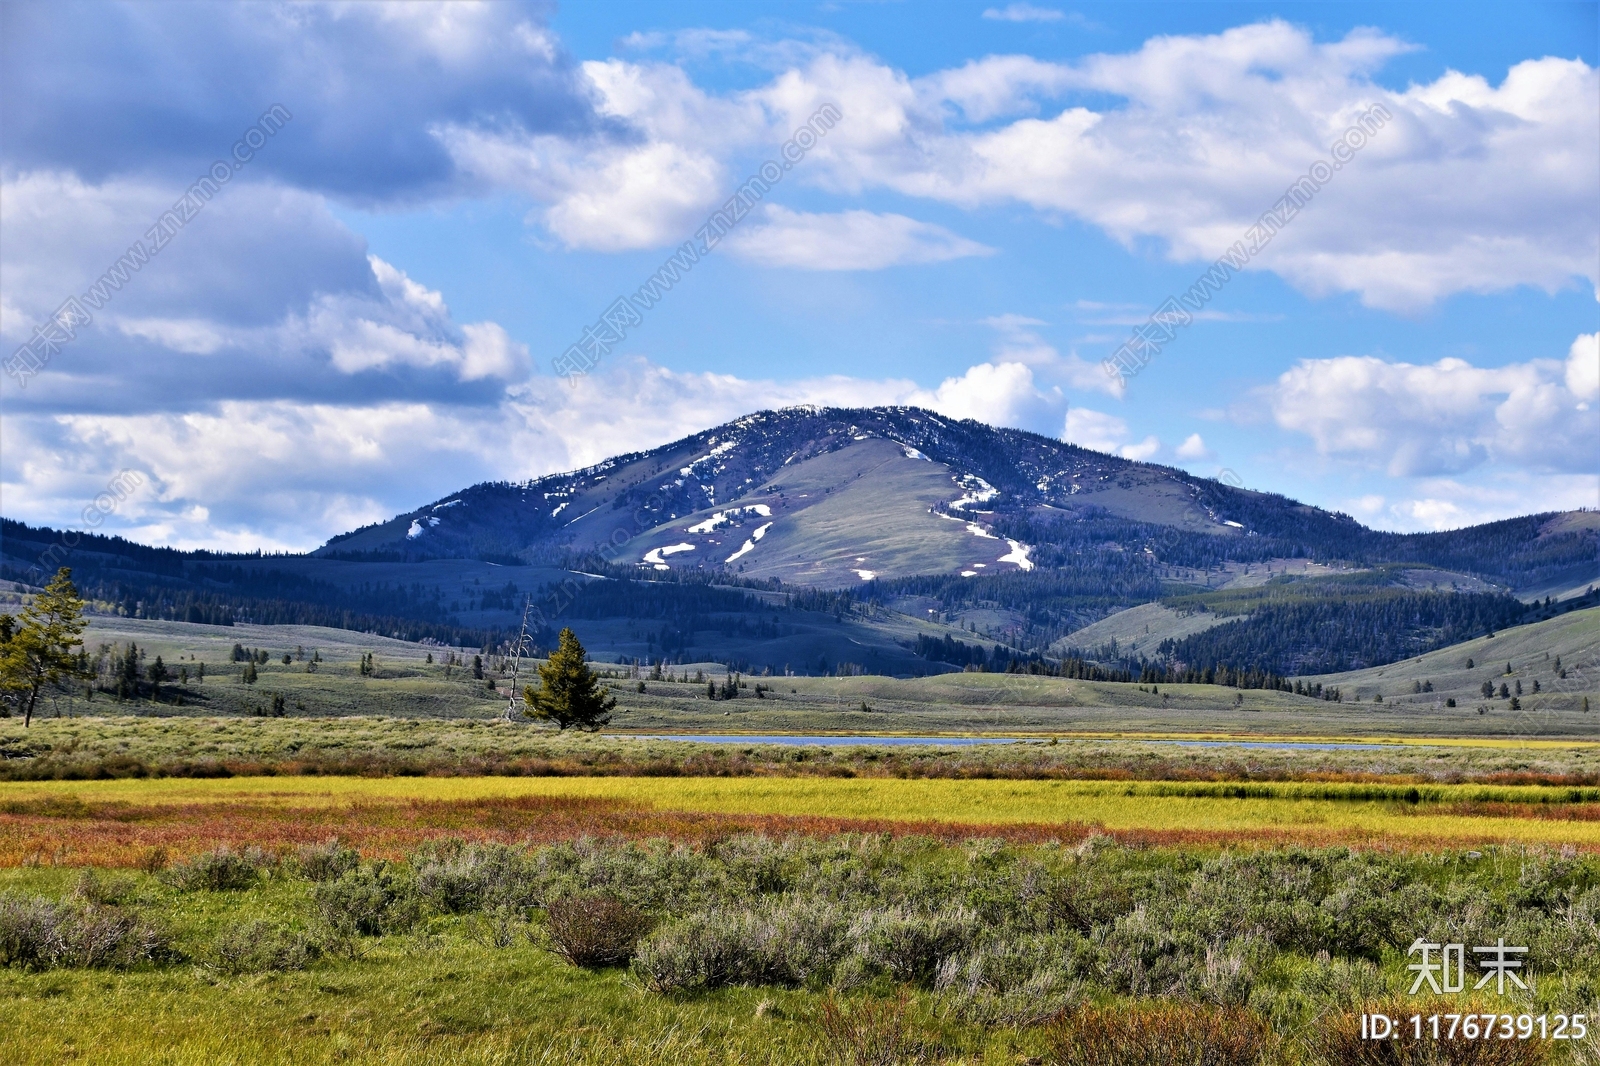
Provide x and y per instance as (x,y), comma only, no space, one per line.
(1396,815)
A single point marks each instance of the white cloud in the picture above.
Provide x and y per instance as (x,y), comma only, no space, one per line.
(1023,12)
(1106,433)
(1194,447)
(994,86)
(1448,503)
(282,474)
(1583,368)
(846,240)
(1020,342)
(1001,394)
(259,295)
(411,327)
(1471,187)
(1445,418)
(191,336)
(613,193)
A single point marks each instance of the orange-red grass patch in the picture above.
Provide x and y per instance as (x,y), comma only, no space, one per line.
(67,831)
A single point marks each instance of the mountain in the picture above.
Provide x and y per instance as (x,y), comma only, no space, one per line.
(835,497)
(892,540)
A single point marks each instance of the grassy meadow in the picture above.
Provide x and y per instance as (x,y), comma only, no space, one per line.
(119,823)
(404,684)
(762,948)
(391,873)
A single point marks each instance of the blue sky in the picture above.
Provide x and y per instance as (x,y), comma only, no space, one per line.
(364,318)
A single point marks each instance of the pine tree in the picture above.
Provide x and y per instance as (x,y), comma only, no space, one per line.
(569,692)
(157,673)
(42,651)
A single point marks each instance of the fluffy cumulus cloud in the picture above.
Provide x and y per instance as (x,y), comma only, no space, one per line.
(283,474)
(1468,186)
(1448,417)
(1194,448)
(102,88)
(1106,433)
(1461,444)
(263,295)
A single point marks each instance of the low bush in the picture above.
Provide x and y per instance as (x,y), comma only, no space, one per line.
(874,1032)
(1010,982)
(260,947)
(101,889)
(455,879)
(222,870)
(500,927)
(369,901)
(36,933)
(786,941)
(595,929)
(908,946)
(1158,1035)
(327,861)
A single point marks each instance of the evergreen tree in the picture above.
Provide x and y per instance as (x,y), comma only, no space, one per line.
(42,651)
(157,673)
(569,693)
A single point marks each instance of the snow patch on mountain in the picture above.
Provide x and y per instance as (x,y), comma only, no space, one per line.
(750,544)
(654,555)
(1018,554)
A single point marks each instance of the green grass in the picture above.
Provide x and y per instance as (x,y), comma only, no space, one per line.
(405,685)
(93,746)
(1294,937)
(429,997)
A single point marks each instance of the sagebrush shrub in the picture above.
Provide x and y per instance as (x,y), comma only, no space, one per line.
(102,889)
(261,947)
(787,941)
(36,933)
(595,929)
(369,901)
(1021,981)
(456,880)
(909,946)
(327,861)
(221,870)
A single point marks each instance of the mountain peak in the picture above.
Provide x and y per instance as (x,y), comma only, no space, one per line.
(819,495)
